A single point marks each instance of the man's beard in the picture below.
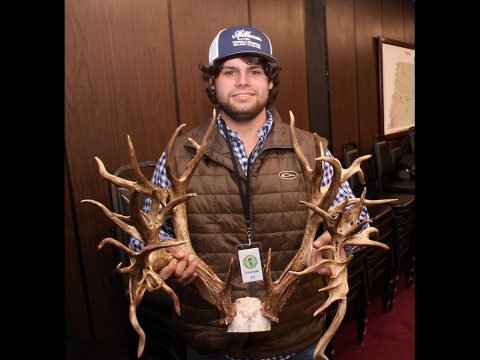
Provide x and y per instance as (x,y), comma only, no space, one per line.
(239,113)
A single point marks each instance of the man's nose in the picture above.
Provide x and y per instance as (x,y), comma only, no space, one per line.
(242,79)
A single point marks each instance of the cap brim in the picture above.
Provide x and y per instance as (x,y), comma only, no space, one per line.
(251,53)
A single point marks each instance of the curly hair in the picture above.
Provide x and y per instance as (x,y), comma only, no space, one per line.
(271,69)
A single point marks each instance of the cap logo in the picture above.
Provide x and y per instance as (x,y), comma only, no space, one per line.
(244,39)
(245,35)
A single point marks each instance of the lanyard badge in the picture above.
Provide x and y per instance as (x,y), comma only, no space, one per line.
(249,255)
(250,261)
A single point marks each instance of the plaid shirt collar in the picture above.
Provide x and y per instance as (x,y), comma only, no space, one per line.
(237,143)
(262,133)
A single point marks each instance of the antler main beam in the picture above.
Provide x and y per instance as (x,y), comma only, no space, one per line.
(219,292)
(278,291)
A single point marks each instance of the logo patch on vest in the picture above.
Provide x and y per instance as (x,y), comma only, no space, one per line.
(288,175)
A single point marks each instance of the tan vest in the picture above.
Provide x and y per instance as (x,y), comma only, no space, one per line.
(216,223)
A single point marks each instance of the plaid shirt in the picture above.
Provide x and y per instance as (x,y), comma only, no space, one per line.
(160,179)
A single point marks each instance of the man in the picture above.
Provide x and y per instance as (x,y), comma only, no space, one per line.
(242,79)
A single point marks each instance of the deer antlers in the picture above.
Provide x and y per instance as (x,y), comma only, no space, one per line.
(342,226)
(142,271)
(146,264)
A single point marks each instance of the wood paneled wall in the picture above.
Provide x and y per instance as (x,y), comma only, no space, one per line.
(132,67)
(283,21)
(342,66)
(194,25)
(352,27)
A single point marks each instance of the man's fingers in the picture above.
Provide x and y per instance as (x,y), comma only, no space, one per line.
(177,269)
(168,270)
(317,243)
(176,251)
(322,240)
(188,275)
(317,256)
(182,264)
(324,272)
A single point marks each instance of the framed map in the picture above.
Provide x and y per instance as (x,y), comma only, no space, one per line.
(397,86)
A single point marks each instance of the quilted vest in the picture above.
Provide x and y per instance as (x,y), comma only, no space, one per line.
(216,224)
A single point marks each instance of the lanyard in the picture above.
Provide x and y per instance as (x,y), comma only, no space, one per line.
(244,195)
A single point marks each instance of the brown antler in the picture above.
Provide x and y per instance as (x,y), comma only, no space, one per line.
(278,291)
(342,226)
(219,292)
(145,265)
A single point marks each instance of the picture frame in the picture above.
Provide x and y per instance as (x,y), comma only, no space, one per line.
(396,86)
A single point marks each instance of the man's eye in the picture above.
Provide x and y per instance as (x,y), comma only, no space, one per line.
(230,72)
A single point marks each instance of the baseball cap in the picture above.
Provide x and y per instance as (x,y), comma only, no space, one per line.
(240,39)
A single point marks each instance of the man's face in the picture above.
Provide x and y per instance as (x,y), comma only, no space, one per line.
(242,89)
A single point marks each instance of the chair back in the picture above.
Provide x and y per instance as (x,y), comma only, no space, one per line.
(411,139)
(384,161)
(120,194)
(350,153)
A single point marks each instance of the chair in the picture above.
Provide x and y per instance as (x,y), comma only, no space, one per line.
(119,196)
(378,262)
(155,310)
(358,292)
(403,209)
(385,155)
(411,139)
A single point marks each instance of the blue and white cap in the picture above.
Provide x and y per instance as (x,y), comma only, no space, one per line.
(241,39)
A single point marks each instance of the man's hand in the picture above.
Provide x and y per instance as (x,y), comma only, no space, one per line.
(177,269)
(316,255)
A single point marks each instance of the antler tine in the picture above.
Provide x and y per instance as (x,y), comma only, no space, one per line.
(113,179)
(354,168)
(318,164)
(366,202)
(133,159)
(130,230)
(169,161)
(313,178)
(328,220)
(305,166)
(309,174)
(180,184)
(192,165)
(132,185)
(329,195)
(332,329)
(132,312)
